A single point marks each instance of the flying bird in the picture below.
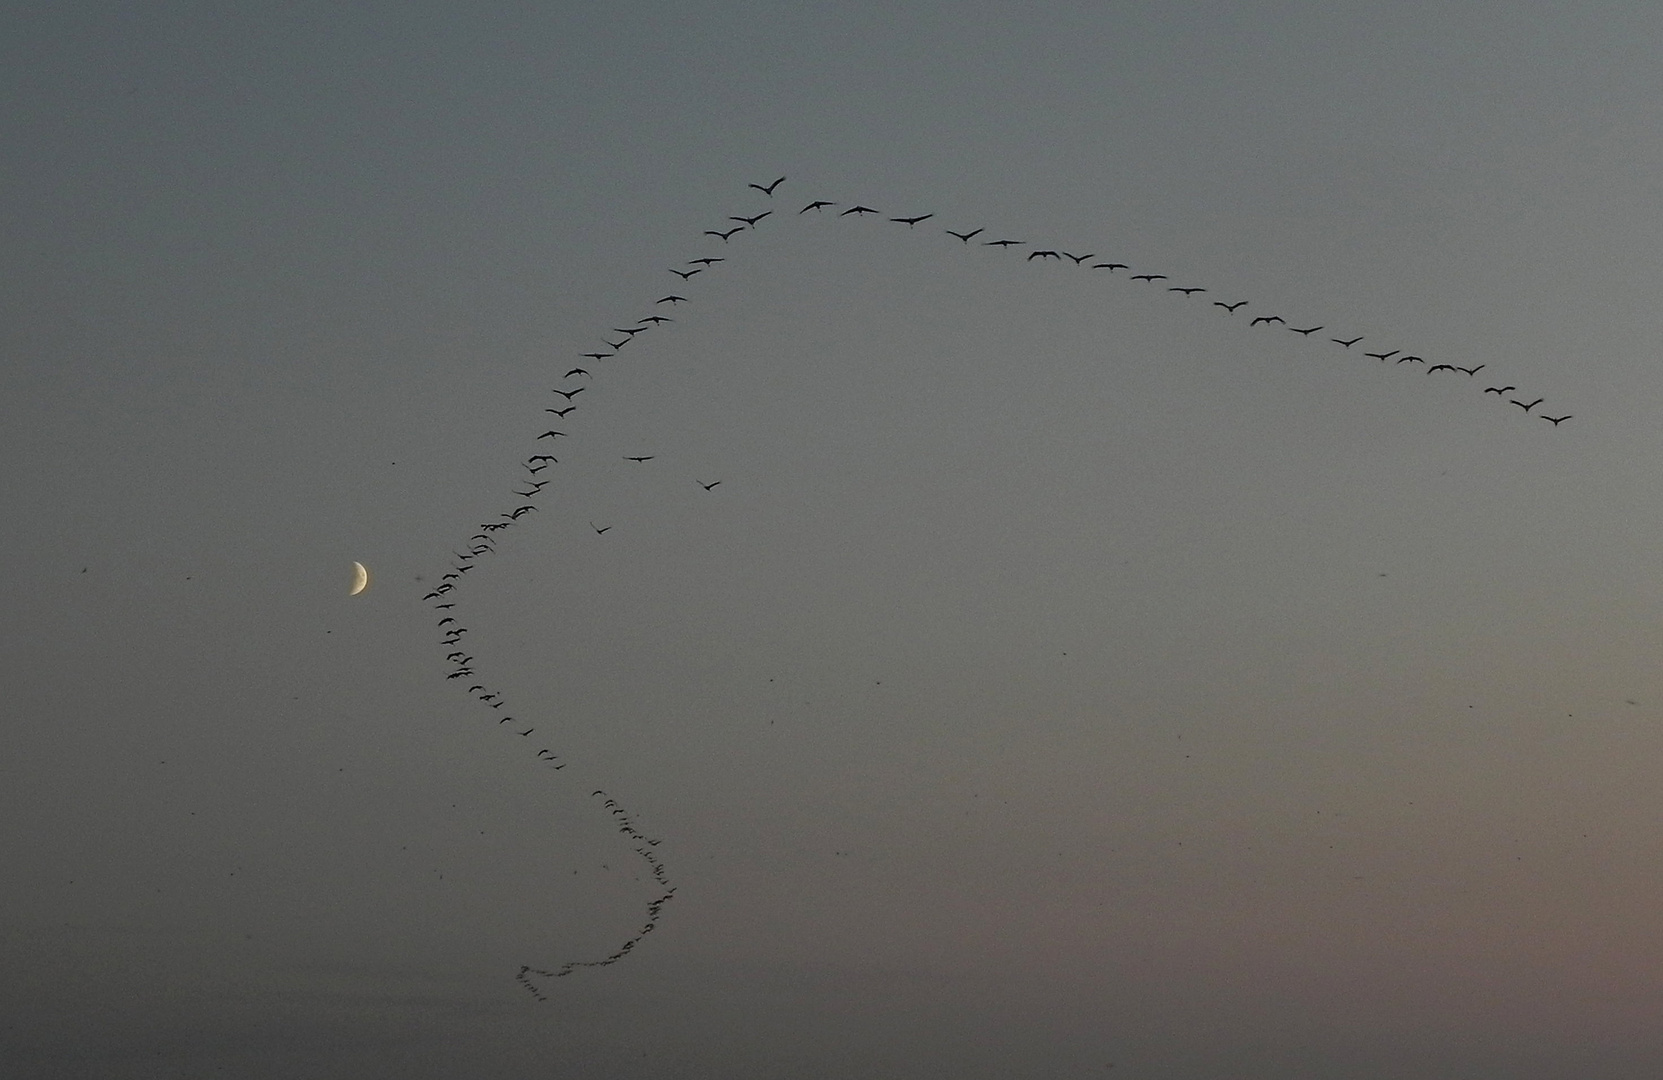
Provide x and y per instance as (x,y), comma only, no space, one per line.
(562,412)
(634,331)
(706,486)
(649,457)
(1032,255)
(616,345)
(1437,367)
(552,434)
(544,457)
(751,221)
(1347,344)
(725,235)
(1532,405)
(815,205)
(597,355)
(1268,319)
(1186,292)
(857,210)
(1078,259)
(1231,308)
(574,371)
(598,529)
(1555,420)
(769,190)
(685,274)
(1307,333)
(1382,356)
(1002,243)
(909,222)
(671,300)
(1111,267)
(1472,370)
(568,394)
(658,318)
(1149,277)
(965,236)
(698,262)
(1499,390)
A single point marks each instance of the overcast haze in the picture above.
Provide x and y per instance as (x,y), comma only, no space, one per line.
(1066,678)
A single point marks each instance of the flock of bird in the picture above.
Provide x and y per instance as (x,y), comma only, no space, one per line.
(483,542)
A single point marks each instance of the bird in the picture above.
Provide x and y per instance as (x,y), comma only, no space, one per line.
(965,236)
(724,235)
(552,434)
(443,621)
(1437,367)
(1186,292)
(685,274)
(1347,344)
(769,190)
(528,731)
(1409,359)
(1078,259)
(699,262)
(857,209)
(1002,243)
(516,515)
(597,355)
(671,300)
(574,371)
(568,394)
(1382,356)
(815,205)
(535,471)
(751,221)
(1110,267)
(598,529)
(632,332)
(909,222)
(1231,308)
(706,486)
(1268,319)
(1499,390)
(616,345)
(1307,333)
(1149,277)
(1471,371)
(1532,405)
(562,412)
(1555,420)
(544,457)
(648,457)
(658,319)
(1032,255)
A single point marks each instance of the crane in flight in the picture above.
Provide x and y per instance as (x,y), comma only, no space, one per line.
(769,190)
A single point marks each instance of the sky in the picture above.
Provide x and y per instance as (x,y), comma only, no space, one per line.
(1066,677)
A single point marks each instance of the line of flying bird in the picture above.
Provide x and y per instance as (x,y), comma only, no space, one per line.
(483,542)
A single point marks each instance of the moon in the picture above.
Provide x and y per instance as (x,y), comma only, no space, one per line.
(360,579)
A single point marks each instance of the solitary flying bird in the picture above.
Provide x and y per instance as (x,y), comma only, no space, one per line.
(1555,420)
(1382,356)
(1002,243)
(574,371)
(725,235)
(552,434)
(1438,367)
(1268,319)
(965,236)
(706,486)
(671,300)
(562,412)
(1032,255)
(1231,308)
(658,319)
(1078,259)
(597,355)
(685,274)
(1186,292)
(751,221)
(909,222)
(649,457)
(1472,370)
(598,529)
(568,394)
(1532,405)
(1149,277)
(701,262)
(1307,333)
(1347,344)
(815,205)
(769,190)
(1112,267)
(857,210)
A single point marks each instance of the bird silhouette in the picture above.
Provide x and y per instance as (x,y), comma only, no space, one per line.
(965,236)
(1347,344)
(700,262)
(706,486)
(597,355)
(1532,405)
(649,457)
(562,412)
(599,529)
(857,210)
(1110,267)
(574,371)
(1499,390)
(1471,371)
(1555,420)
(751,221)
(769,190)
(1267,319)
(671,300)
(1307,333)
(1410,360)
(659,318)
(552,434)
(1382,356)
(1032,255)
(1437,367)
(685,274)
(1231,308)
(909,222)
(1002,243)
(569,394)
(815,205)
(1078,259)
(725,235)
(544,457)
(1186,292)
(1149,277)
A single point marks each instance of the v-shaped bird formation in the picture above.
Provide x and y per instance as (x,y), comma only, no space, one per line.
(483,542)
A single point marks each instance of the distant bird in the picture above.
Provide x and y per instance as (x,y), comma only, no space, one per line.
(574,371)
(635,330)
(1149,277)
(443,621)
(616,345)
(965,236)
(1410,359)
(1347,344)
(909,222)
(706,486)
(700,262)
(658,319)
(552,434)
(1110,267)
(1555,420)
(544,457)
(1382,356)
(1186,292)
(1267,319)
(1307,333)
(1032,255)
(569,394)
(536,470)
(598,529)
(724,235)
(685,274)
(1472,370)
(1078,259)
(1231,308)
(671,300)
(562,412)
(517,514)
(1499,390)
(751,221)
(815,205)
(649,457)
(528,731)
(769,190)
(598,355)
(1532,405)
(857,210)
(1438,367)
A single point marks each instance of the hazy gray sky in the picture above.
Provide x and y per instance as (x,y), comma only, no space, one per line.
(1064,673)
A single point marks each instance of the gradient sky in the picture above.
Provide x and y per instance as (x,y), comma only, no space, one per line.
(1063,675)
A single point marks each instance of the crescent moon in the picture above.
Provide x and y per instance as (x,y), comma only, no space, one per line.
(360,579)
